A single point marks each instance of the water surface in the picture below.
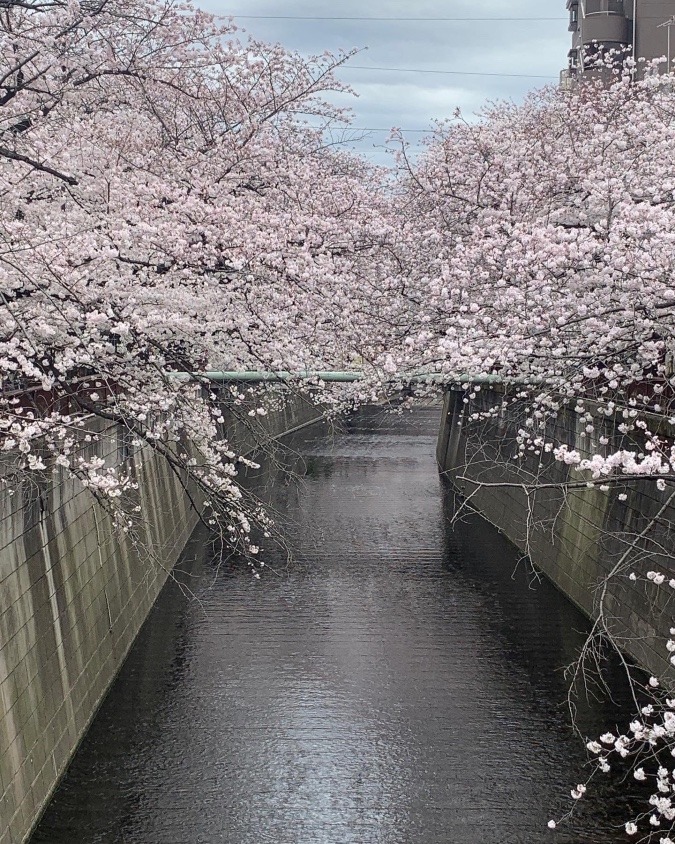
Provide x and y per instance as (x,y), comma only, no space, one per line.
(394,681)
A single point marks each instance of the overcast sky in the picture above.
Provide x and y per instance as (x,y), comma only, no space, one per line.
(528,49)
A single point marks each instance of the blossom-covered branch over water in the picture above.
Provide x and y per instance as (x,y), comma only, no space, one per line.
(541,243)
(170,202)
(166,206)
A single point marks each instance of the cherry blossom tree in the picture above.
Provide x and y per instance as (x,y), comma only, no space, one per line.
(539,242)
(169,204)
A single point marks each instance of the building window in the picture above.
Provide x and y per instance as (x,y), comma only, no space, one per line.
(604,7)
(573,57)
(574,17)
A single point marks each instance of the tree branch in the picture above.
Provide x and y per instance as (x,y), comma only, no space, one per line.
(45,168)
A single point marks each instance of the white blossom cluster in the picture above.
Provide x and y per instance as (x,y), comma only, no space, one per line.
(647,743)
(166,207)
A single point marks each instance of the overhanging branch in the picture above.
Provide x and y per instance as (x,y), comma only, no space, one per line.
(44,168)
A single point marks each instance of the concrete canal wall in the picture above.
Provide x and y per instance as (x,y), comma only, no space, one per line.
(574,537)
(73,596)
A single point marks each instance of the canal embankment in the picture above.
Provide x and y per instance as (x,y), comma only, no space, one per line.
(74,592)
(389,679)
(573,533)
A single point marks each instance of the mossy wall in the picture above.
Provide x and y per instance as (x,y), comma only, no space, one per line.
(74,593)
(576,536)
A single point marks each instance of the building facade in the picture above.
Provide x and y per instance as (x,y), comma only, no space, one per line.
(637,28)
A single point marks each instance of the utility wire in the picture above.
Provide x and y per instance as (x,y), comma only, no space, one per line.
(359,129)
(408,20)
(445,72)
(364,129)
(406,69)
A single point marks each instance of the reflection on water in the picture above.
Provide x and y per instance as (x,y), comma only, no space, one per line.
(393,683)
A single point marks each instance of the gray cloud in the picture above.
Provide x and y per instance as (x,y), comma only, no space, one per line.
(413,100)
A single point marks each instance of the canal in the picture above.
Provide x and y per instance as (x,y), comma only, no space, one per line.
(392,681)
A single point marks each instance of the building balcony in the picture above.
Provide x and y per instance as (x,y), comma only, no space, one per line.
(568,78)
(605,28)
(604,7)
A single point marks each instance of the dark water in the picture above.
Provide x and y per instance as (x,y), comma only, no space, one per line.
(394,683)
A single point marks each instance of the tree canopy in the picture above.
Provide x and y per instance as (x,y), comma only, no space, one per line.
(170,202)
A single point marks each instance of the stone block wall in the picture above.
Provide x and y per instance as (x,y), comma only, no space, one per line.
(73,596)
(576,537)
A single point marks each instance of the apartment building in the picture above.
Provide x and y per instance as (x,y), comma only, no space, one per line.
(641,28)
